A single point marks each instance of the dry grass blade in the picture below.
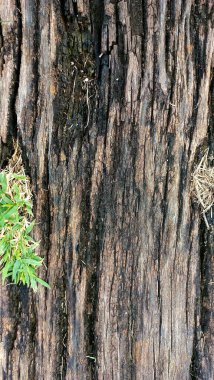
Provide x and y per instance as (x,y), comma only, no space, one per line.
(203,183)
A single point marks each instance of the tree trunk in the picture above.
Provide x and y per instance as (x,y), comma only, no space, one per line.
(112,104)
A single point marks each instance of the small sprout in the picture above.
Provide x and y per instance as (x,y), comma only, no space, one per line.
(18,259)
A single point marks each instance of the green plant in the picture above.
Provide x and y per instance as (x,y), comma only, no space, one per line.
(18,258)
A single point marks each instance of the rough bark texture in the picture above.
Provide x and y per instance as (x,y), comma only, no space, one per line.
(111,102)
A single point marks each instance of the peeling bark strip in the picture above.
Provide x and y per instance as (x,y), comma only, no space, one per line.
(111,102)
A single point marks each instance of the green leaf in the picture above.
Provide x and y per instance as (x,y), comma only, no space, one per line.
(6,276)
(9,213)
(6,201)
(27,279)
(42,282)
(2,246)
(19,177)
(30,227)
(33,283)
(37,258)
(31,271)
(15,188)
(34,245)
(4,258)
(6,271)
(16,193)
(16,227)
(3,182)
(15,270)
(31,262)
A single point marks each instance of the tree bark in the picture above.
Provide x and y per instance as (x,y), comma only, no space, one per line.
(111,102)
